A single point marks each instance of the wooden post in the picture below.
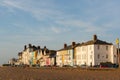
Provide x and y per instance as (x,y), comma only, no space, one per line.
(117,42)
(118,54)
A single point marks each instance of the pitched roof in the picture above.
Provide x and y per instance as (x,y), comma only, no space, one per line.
(69,47)
(96,42)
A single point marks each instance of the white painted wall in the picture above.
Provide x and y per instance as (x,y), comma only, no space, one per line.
(103,52)
(81,55)
(26,57)
(89,54)
(58,59)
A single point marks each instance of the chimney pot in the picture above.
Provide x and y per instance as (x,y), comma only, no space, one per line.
(25,47)
(44,47)
(94,37)
(38,47)
(30,45)
(65,45)
(73,43)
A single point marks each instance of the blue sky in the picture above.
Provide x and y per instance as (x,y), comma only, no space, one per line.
(52,23)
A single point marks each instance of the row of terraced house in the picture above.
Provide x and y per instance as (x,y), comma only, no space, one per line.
(88,53)
(33,55)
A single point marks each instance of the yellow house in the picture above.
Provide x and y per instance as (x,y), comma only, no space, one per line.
(66,56)
(61,57)
(35,53)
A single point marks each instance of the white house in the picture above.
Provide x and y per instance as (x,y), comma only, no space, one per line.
(29,55)
(26,56)
(94,52)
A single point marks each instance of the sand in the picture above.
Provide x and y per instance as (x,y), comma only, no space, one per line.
(18,73)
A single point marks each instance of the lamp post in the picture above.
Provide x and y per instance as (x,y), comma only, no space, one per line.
(117,42)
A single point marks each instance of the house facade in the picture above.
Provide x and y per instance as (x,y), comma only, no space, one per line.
(43,57)
(47,57)
(26,57)
(33,55)
(62,58)
(94,52)
(66,55)
(89,53)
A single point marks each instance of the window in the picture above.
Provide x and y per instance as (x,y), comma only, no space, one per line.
(106,56)
(79,56)
(69,58)
(106,47)
(83,56)
(90,63)
(98,56)
(90,47)
(84,63)
(98,47)
(60,58)
(82,48)
(91,52)
(90,56)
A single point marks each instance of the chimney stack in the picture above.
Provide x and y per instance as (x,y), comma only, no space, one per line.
(25,47)
(65,45)
(30,45)
(45,48)
(94,37)
(73,43)
(38,47)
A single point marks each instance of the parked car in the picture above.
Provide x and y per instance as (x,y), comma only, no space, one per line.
(66,66)
(108,65)
(115,65)
(96,66)
(83,66)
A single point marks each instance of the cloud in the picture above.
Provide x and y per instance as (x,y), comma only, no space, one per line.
(42,11)
(59,30)
(55,29)
(46,23)
(47,11)
(103,8)
(13,4)
(85,26)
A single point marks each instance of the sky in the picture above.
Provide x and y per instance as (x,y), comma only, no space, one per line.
(52,23)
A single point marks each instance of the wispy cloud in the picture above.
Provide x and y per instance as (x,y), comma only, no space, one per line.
(60,29)
(41,11)
(85,26)
(56,30)
(41,21)
(46,11)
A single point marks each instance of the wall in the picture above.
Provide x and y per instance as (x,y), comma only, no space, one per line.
(103,52)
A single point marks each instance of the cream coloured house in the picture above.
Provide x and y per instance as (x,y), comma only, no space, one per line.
(89,53)
(94,52)
(26,55)
(29,55)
